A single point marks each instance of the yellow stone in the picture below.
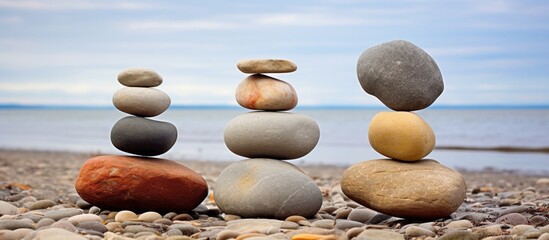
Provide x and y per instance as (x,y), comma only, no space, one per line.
(401,136)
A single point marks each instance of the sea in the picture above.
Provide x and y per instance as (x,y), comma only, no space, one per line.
(465,137)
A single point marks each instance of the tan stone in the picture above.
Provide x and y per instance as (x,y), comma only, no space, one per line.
(266,66)
(422,190)
(141,101)
(401,135)
(139,77)
(260,92)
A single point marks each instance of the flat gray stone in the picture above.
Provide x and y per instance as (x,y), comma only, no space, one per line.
(277,135)
(140,101)
(141,136)
(7,208)
(401,75)
(62,213)
(266,188)
(13,224)
(139,77)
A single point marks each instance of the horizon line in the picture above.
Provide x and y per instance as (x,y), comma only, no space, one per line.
(236,106)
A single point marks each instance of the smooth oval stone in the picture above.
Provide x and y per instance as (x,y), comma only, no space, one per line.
(401,135)
(266,66)
(143,136)
(266,188)
(7,208)
(260,92)
(418,190)
(278,135)
(139,77)
(401,75)
(149,216)
(140,184)
(140,101)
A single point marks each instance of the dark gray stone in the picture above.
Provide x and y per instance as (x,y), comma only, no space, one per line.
(93,225)
(143,136)
(277,135)
(62,213)
(401,75)
(266,188)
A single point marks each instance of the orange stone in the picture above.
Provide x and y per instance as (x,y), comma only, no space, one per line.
(261,92)
(140,184)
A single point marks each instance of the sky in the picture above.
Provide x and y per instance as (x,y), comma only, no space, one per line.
(69,52)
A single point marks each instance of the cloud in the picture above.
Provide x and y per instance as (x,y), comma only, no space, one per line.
(48,5)
(180,25)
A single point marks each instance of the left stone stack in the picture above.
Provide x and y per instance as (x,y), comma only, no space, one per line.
(141,183)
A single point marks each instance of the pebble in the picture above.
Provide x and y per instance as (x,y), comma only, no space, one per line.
(487,231)
(362,215)
(62,213)
(458,235)
(44,222)
(140,101)
(227,234)
(266,66)
(245,189)
(142,136)
(277,135)
(149,216)
(42,204)
(542,185)
(521,229)
(414,231)
(512,219)
(460,224)
(83,204)
(84,218)
(379,235)
(7,208)
(260,92)
(173,232)
(325,223)
(93,225)
(424,189)
(401,135)
(186,229)
(63,224)
(289,225)
(539,220)
(139,77)
(15,224)
(347,224)
(139,229)
(57,234)
(401,75)
(124,216)
(258,225)
(353,232)
(183,217)
(137,184)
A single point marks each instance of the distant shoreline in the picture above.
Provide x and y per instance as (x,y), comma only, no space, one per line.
(496,149)
(303,107)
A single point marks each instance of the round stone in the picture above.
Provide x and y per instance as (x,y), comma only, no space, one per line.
(401,135)
(401,75)
(278,135)
(140,184)
(246,188)
(141,101)
(139,77)
(260,92)
(418,190)
(266,66)
(143,136)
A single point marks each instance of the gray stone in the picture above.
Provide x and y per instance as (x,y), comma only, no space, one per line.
(141,102)
(83,204)
(266,188)
(324,223)
(259,225)
(93,225)
(7,208)
(513,219)
(13,224)
(34,216)
(139,77)
(362,215)
(277,135)
(139,228)
(414,231)
(423,190)
(62,213)
(57,234)
(64,225)
(458,235)
(143,136)
(266,66)
(347,224)
(401,75)
(42,204)
(375,234)
(186,229)
(44,222)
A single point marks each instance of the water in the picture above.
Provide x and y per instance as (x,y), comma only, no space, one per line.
(343,139)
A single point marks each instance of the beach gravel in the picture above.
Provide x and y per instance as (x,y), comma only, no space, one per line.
(45,175)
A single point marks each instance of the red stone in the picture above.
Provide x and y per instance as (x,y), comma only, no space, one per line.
(140,184)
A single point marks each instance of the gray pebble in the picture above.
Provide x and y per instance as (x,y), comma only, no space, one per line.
(44,222)
(289,225)
(93,225)
(64,225)
(163,221)
(476,217)
(512,219)
(539,220)
(325,223)
(143,136)
(227,234)
(83,204)
(458,235)
(362,215)
(42,204)
(62,213)
(174,232)
(15,224)
(143,234)
(94,210)
(169,215)
(201,208)
(186,229)
(32,216)
(73,198)
(515,209)
(343,224)
(139,228)
(41,194)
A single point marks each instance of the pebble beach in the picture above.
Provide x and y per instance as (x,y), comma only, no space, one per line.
(38,200)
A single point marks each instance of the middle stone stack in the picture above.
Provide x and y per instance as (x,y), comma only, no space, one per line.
(265,186)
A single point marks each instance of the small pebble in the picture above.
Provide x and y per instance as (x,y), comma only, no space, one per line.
(289,225)
(460,224)
(63,224)
(83,204)
(512,219)
(139,228)
(186,229)
(84,218)
(93,225)
(362,215)
(414,231)
(227,234)
(15,224)
(295,218)
(42,204)
(173,232)
(343,224)
(149,216)
(325,223)
(458,235)
(183,217)
(124,216)
(62,213)
(44,222)
(521,229)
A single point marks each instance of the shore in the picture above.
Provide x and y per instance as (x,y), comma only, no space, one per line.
(499,203)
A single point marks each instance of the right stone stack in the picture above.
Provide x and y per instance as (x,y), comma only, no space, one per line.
(404,78)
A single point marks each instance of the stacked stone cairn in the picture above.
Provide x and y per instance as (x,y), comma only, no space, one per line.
(405,78)
(264,185)
(141,183)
